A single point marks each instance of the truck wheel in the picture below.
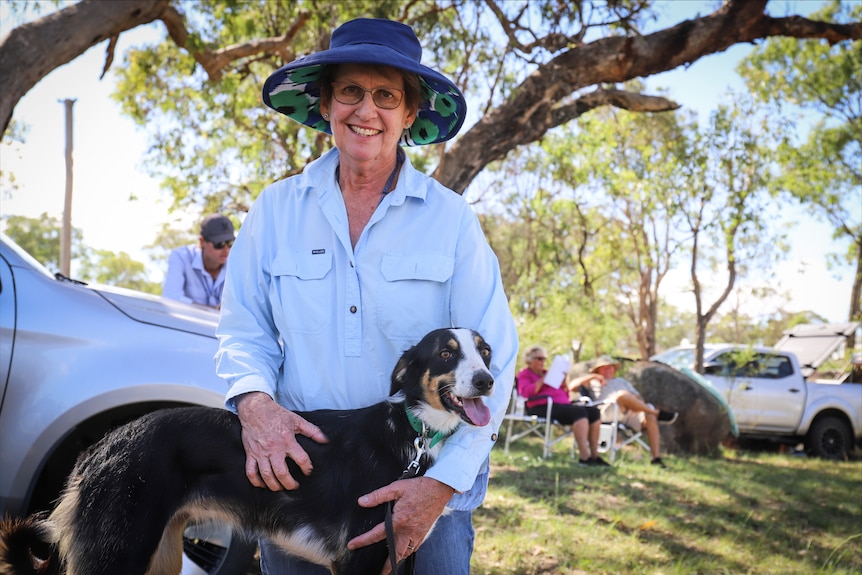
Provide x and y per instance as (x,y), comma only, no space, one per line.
(828,438)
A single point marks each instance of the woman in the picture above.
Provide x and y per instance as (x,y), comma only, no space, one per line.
(585,421)
(338,270)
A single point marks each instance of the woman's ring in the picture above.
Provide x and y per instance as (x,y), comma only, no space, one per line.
(410,547)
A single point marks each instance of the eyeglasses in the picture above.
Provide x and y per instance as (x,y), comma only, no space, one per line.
(540,358)
(350,94)
(222,245)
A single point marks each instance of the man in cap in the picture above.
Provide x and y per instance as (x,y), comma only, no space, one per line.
(601,384)
(196,273)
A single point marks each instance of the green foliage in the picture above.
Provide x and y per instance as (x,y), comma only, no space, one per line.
(726,203)
(16,133)
(633,165)
(585,239)
(214,145)
(585,222)
(543,238)
(119,270)
(40,237)
(168,239)
(823,172)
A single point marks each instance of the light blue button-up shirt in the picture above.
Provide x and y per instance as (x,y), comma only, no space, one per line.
(187,280)
(316,323)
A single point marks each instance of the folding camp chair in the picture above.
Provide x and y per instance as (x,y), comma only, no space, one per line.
(615,435)
(549,430)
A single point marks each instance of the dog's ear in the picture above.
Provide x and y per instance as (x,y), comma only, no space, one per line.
(400,373)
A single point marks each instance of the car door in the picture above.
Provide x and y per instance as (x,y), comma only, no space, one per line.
(778,392)
(763,389)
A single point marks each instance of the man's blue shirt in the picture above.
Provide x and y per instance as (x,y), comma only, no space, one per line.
(188,281)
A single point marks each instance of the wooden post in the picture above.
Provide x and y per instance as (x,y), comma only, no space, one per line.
(66,234)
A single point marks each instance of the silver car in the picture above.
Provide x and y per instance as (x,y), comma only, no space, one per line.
(77,360)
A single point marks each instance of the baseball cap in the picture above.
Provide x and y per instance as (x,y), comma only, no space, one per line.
(217,228)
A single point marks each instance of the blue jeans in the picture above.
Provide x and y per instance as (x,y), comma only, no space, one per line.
(446,551)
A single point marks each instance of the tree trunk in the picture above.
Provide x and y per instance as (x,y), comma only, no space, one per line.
(856,292)
(31,51)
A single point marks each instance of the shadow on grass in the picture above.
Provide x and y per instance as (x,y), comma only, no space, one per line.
(740,513)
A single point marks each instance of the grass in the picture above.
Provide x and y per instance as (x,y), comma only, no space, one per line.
(745,512)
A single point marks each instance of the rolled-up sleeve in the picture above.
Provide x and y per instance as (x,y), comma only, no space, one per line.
(479,302)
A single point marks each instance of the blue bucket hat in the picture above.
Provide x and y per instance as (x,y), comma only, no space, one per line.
(293,89)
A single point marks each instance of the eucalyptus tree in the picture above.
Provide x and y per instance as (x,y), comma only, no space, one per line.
(544,234)
(587,229)
(824,171)
(536,66)
(727,208)
(635,162)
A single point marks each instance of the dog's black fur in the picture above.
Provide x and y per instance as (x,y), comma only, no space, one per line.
(129,497)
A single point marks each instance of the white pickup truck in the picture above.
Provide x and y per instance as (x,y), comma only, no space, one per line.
(774,392)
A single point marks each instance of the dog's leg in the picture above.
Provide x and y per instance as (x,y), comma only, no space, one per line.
(107,528)
(168,558)
(102,545)
(364,560)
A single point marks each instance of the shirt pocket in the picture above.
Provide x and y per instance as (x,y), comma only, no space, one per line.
(303,291)
(414,296)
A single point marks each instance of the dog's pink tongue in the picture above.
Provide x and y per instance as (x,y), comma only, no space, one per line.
(476,410)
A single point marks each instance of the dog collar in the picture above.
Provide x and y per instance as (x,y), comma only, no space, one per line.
(420,428)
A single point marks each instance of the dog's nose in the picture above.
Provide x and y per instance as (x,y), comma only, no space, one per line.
(482,381)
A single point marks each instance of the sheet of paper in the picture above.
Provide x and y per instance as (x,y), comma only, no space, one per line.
(557,372)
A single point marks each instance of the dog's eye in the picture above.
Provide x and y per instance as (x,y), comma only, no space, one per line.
(485,351)
(445,354)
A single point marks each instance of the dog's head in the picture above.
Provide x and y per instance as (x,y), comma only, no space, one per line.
(444,377)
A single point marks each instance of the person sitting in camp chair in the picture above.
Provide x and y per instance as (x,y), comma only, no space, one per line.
(585,421)
(601,385)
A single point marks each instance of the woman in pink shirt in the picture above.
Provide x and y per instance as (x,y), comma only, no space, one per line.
(585,421)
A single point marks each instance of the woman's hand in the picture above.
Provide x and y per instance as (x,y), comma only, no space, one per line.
(269,436)
(419,501)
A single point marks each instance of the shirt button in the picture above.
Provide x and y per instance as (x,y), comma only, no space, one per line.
(353,309)
(493,437)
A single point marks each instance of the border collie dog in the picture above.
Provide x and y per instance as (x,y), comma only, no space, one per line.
(129,497)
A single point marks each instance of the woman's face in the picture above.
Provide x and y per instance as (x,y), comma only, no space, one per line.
(537,363)
(364,131)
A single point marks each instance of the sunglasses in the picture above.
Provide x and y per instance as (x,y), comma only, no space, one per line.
(350,94)
(540,358)
(222,245)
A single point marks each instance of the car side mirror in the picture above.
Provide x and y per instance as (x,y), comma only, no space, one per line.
(712,369)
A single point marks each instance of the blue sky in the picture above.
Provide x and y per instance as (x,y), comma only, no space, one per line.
(109,150)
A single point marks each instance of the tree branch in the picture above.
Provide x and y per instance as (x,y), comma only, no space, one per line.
(69,32)
(215,61)
(531,109)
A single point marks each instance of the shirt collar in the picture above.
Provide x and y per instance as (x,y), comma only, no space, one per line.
(320,175)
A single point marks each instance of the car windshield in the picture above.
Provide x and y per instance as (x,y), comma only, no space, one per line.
(678,358)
